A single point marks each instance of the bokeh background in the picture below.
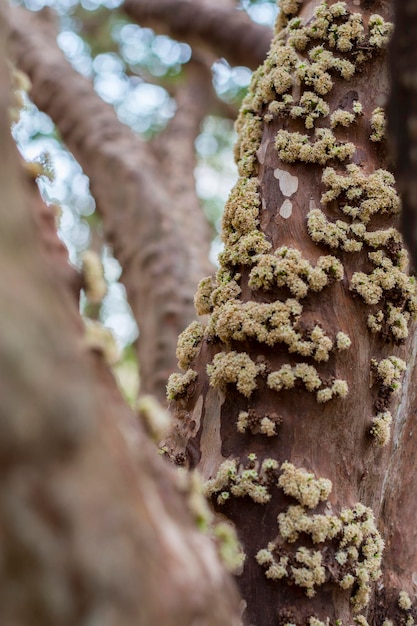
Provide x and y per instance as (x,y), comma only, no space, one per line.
(135,70)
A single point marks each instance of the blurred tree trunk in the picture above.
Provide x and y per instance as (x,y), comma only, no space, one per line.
(290,404)
(92,531)
(402,115)
(147,210)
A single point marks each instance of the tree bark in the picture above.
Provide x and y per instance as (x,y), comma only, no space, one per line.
(287,404)
(92,530)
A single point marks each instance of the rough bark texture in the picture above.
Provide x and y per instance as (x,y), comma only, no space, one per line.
(142,219)
(92,531)
(240,402)
(402,114)
(89,524)
(398,513)
(224,31)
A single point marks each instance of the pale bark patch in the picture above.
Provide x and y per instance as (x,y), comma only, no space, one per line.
(287,182)
(286,209)
(210,443)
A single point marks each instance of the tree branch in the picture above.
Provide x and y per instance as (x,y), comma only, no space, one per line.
(225,32)
(130,190)
(176,150)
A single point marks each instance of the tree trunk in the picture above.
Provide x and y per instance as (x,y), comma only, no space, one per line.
(292,388)
(94,526)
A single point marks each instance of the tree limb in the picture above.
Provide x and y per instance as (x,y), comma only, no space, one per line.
(176,150)
(226,32)
(130,190)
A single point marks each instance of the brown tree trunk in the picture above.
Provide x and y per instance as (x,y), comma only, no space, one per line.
(92,531)
(293,387)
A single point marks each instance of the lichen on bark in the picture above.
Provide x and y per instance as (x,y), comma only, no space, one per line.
(319,184)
